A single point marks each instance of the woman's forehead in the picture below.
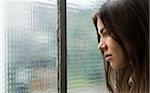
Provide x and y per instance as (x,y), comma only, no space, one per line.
(100,25)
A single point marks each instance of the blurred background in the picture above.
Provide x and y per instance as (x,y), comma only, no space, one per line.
(85,66)
(28,47)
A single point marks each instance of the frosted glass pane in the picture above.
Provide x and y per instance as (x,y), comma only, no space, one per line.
(85,67)
(2,48)
(30,46)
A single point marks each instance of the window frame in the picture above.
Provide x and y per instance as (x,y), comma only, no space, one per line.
(61,46)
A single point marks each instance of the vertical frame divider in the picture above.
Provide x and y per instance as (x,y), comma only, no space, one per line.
(61,46)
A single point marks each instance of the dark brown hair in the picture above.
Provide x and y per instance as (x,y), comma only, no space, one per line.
(128,23)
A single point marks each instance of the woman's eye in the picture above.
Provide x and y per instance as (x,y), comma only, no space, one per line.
(105,33)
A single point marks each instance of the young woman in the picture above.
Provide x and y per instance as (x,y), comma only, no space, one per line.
(123,35)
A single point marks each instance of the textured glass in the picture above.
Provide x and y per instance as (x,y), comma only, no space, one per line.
(2,48)
(85,67)
(30,46)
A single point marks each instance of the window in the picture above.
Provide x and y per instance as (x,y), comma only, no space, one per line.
(30,47)
(30,52)
(84,69)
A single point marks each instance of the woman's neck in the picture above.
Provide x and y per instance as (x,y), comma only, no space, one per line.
(119,79)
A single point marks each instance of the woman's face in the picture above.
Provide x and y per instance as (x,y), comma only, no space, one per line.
(112,51)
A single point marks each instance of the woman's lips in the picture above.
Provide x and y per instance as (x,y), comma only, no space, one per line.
(108,57)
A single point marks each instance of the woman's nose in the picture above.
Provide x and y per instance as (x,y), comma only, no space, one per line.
(102,46)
